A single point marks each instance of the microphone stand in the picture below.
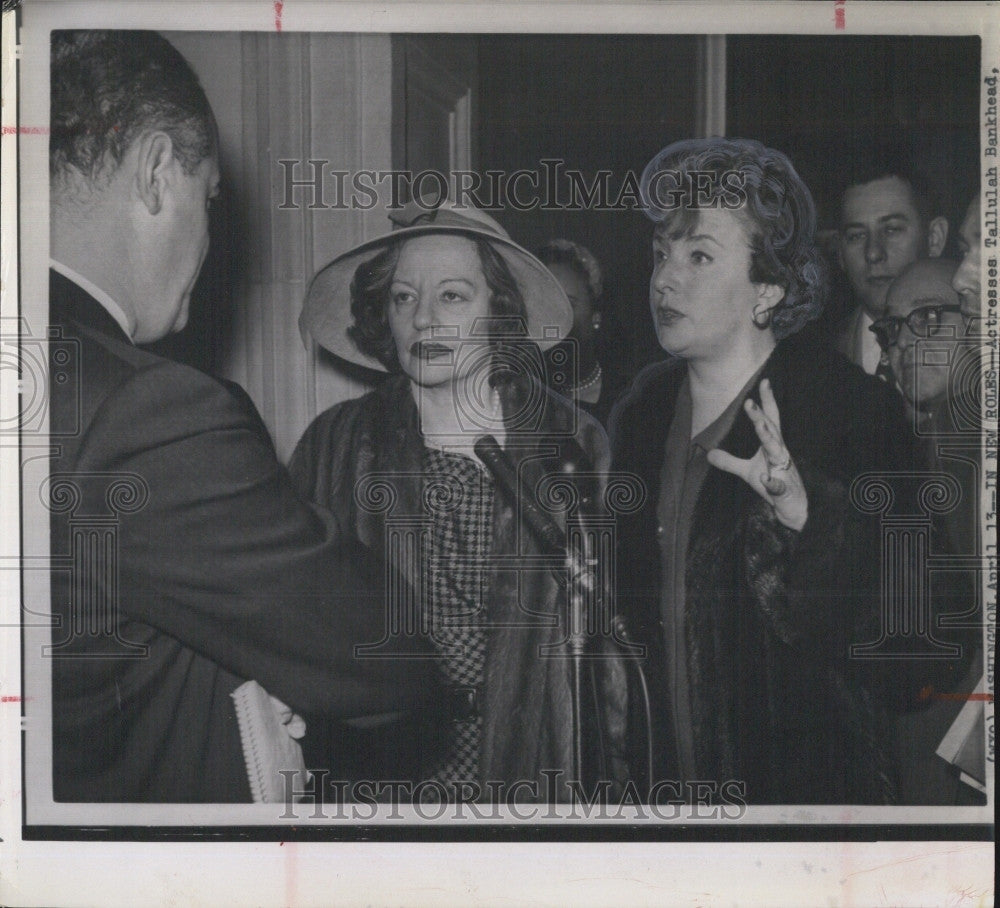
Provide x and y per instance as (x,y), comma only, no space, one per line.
(580,579)
(580,582)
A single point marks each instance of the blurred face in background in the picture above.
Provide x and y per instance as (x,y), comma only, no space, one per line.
(576,288)
(966,282)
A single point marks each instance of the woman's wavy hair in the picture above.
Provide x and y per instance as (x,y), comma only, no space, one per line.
(370,301)
(761,185)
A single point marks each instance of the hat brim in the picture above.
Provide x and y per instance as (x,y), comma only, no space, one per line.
(326,313)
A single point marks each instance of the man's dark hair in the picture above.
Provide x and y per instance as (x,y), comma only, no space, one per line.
(866,159)
(110,87)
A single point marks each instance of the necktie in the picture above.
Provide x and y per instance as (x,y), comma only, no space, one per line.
(883,371)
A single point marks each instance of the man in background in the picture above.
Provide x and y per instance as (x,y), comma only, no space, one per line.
(966,282)
(936,369)
(219,573)
(888,219)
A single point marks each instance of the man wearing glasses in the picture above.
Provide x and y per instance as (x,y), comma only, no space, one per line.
(923,336)
(925,340)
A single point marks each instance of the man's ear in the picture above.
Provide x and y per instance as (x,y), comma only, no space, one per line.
(154,160)
(937,236)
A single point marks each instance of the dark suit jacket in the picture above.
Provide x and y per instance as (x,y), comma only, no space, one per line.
(170,507)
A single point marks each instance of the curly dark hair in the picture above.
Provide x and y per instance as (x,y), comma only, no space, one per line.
(761,185)
(370,300)
(110,87)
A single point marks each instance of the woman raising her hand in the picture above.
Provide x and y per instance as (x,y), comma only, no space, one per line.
(749,574)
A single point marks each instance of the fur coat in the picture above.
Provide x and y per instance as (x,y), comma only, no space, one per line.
(777,702)
(525,700)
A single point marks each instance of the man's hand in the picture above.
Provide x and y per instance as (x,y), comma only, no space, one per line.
(294,723)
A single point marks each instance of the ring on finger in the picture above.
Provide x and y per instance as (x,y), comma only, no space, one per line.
(784,465)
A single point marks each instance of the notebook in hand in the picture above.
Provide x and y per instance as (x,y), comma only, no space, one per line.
(275,765)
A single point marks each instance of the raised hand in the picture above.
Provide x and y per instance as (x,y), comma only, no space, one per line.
(771,472)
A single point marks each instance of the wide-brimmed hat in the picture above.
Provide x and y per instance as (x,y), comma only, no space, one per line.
(326,313)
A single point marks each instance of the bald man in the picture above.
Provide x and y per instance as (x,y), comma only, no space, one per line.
(924,337)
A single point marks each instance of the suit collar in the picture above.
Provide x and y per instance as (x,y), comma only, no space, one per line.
(70,302)
(98,293)
(856,342)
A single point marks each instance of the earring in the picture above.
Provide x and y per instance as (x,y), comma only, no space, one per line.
(596,320)
(762,318)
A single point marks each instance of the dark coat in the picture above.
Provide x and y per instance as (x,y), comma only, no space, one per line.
(770,613)
(952,439)
(217,569)
(525,701)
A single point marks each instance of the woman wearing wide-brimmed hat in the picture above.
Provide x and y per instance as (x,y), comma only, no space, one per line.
(457,314)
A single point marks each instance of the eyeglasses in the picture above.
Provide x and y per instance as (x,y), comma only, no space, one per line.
(923,321)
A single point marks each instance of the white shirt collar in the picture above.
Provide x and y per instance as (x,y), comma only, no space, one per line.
(867,352)
(113,309)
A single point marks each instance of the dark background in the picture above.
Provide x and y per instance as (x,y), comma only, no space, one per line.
(811,97)
(599,103)
(612,102)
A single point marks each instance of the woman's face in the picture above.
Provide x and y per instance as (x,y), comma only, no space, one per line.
(437,294)
(700,293)
(578,292)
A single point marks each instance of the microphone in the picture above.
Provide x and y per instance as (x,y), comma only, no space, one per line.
(580,574)
(583,581)
(541,524)
(580,583)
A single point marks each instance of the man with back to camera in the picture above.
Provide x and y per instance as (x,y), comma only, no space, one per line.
(223,573)
(888,219)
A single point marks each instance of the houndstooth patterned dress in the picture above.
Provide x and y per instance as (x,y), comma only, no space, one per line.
(458,499)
